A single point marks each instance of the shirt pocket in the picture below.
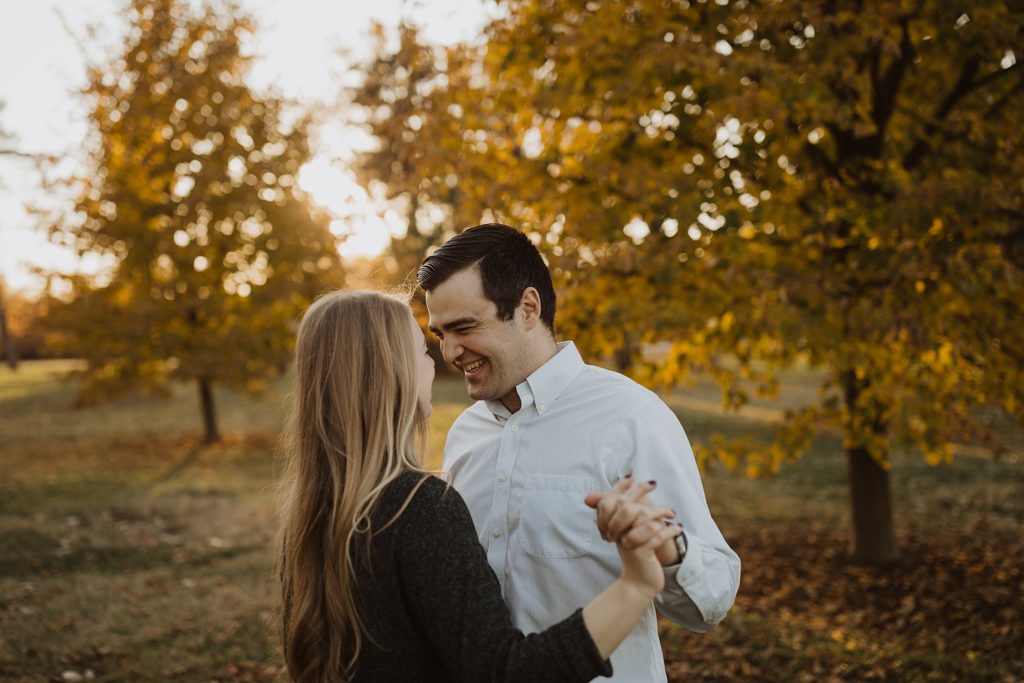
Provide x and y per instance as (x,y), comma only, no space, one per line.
(554,522)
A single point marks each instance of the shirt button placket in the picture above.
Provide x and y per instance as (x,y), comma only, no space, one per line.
(497,548)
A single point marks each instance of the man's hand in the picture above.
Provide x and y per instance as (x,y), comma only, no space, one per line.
(622,508)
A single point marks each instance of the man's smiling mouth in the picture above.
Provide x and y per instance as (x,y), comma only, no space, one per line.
(473,367)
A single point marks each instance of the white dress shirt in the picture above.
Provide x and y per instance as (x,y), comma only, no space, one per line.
(524,475)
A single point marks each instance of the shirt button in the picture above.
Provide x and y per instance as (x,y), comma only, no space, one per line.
(515,428)
(541,406)
(497,533)
(503,478)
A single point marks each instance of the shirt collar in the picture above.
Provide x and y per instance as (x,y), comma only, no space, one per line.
(546,383)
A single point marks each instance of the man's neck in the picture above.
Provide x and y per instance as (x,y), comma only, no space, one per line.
(511,400)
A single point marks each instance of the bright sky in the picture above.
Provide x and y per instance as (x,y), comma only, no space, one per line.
(297,45)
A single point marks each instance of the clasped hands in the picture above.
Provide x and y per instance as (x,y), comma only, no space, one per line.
(626,516)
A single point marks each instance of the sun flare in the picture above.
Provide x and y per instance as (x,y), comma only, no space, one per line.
(357,219)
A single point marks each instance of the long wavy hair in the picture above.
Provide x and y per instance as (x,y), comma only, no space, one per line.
(355,425)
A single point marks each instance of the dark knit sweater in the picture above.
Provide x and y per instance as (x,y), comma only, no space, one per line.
(433,609)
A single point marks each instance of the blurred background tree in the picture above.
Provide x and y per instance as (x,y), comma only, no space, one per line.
(6,146)
(396,98)
(27,335)
(759,185)
(411,102)
(6,339)
(6,336)
(212,252)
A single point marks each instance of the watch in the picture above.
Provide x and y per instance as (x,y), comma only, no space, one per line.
(681,544)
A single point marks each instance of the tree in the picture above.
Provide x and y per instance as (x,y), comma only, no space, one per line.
(762,183)
(10,353)
(5,149)
(6,337)
(401,99)
(213,252)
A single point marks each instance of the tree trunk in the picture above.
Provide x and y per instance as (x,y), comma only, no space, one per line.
(623,356)
(209,414)
(7,340)
(874,541)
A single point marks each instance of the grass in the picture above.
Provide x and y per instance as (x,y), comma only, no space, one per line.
(117,561)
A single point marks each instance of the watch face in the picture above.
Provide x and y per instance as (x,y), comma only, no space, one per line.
(681,544)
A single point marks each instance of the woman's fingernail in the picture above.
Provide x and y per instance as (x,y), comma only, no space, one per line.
(652,482)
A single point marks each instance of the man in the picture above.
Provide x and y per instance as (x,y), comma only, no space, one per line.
(546,430)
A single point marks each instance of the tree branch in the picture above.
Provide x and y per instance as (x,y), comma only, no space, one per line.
(1002,101)
(886,86)
(8,152)
(965,84)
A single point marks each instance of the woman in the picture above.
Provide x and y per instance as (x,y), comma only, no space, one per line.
(383,578)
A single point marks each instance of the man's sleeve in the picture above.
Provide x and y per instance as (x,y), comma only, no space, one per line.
(701,589)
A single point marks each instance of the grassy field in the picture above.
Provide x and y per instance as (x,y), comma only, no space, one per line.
(128,552)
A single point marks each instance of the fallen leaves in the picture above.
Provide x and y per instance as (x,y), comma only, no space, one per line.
(949,611)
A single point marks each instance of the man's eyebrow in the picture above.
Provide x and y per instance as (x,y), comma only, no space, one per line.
(458,322)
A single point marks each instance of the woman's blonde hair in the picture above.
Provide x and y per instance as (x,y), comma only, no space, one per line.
(356,424)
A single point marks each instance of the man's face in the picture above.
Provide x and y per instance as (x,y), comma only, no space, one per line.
(490,353)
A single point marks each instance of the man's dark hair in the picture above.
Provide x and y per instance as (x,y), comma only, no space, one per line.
(508,261)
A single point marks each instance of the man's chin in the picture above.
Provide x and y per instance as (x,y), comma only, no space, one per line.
(478,392)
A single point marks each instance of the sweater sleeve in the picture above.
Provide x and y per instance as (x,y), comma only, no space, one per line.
(456,601)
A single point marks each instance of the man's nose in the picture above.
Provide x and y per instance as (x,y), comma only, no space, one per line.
(450,349)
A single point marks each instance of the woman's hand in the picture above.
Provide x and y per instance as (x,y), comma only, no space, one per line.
(639,529)
(618,513)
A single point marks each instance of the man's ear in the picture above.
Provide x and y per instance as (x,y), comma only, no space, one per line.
(529,304)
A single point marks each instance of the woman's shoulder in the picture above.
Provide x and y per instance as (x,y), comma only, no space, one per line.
(435,527)
(421,491)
